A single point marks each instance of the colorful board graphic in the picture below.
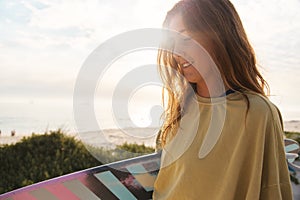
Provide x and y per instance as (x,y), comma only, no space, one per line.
(130,179)
(292,150)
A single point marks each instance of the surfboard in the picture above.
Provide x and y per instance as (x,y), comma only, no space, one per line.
(129,179)
(292,150)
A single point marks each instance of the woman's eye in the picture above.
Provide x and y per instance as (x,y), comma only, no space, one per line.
(184,42)
(185,39)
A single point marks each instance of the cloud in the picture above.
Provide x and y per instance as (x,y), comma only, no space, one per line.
(44,53)
(273,27)
(95,20)
(78,24)
(93,14)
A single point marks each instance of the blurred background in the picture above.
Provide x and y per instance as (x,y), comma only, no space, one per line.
(44,43)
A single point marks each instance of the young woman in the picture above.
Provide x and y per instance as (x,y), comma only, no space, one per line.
(222,138)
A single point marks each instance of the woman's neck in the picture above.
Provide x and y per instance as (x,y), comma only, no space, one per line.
(214,91)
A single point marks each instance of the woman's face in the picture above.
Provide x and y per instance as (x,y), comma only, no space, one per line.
(190,49)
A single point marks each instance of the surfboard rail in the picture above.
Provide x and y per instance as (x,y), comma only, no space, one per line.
(127,179)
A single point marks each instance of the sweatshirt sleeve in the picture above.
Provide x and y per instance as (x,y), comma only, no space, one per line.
(275,176)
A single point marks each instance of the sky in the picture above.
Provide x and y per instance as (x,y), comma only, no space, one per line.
(44,43)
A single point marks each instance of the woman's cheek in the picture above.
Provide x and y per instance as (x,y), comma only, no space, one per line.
(192,75)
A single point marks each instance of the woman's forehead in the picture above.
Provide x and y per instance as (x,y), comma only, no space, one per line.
(176,24)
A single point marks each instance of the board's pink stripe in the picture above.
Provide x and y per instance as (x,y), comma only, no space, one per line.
(61,192)
(23,196)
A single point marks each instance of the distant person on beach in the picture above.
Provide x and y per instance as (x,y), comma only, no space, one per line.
(13,133)
(222,139)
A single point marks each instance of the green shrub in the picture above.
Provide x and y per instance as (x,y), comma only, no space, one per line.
(120,152)
(135,148)
(293,135)
(40,157)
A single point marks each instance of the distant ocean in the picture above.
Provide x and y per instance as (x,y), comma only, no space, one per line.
(26,118)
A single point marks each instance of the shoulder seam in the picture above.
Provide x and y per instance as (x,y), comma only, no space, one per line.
(270,106)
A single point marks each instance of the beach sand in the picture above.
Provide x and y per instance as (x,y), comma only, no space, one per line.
(105,138)
(9,139)
(110,137)
(293,126)
(113,137)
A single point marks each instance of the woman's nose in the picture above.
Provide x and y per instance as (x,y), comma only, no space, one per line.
(178,57)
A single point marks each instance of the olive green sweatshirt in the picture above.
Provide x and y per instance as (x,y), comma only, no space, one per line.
(224,151)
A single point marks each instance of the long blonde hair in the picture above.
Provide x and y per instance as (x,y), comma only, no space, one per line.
(231,52)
